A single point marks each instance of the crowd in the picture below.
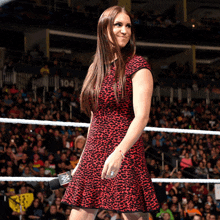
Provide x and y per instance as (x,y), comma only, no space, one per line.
(46,151)
(178,75)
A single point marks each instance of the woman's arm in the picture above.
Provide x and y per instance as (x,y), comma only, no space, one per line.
(142,86)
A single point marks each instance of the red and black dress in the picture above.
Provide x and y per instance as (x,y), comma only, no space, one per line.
(131,190)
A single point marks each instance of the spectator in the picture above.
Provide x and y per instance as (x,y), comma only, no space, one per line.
(45,71)
(79,145)
(213,157)
(210,201)
(37,163)
(201,171)
(42,200)
(14,90)
(176,211)
(166,216)
(212,217)
(41,172)
(207,212)
(186,164)
(63,164)
(195,161)
(55,144)
(8,102)
(35,211)
(197,217)
(153,167)
(60,207)
(48,170)
(27,173)
(65,101)
(14,112)
(174,201)
(199,189)
(164,209)
(52,214)
(74,160)
(197,202)
(190,210)
(67,212)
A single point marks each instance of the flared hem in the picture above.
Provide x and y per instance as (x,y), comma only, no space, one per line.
(118,211)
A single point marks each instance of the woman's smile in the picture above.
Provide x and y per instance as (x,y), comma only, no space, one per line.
(122,29)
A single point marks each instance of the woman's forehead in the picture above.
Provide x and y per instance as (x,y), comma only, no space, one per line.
(122,16)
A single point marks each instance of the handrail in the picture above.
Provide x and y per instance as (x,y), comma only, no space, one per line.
(160,159)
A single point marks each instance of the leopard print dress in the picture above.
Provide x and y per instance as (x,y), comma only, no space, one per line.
(131,190)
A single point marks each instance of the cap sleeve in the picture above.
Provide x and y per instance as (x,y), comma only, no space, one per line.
(135,64)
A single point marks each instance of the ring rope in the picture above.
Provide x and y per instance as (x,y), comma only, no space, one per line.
(80,124)
(155,180)
(43,122)
(75,124)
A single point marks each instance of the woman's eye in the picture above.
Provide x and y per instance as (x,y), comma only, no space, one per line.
(118,24)
(129,25)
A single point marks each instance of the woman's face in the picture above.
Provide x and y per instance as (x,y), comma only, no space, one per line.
(174,199)
(209,199)
(36,202)
(80,143)
(122,29)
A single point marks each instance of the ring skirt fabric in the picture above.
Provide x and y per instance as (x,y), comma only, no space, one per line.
(131,190)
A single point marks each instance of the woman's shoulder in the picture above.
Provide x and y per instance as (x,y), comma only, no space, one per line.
(138,60)
(136,63)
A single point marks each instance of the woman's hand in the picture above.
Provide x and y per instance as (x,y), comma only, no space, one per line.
(112,165)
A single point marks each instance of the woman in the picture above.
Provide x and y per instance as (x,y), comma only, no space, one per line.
(186,162)
(195,161)
(79,145)
(35,211)
(183,154)
(212,204)
(59,205)
(112,172)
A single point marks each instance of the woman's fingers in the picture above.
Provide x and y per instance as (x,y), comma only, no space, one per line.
(111,173)
(104,171)
(111,166)
(108,172)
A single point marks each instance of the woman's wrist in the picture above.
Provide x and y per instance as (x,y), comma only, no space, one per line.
(121,153)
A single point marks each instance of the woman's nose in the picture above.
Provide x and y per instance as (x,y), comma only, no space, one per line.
(123,29)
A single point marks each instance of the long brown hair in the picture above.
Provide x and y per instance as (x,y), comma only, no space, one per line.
(106,51)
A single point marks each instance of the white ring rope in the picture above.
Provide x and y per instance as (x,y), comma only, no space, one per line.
(26,179)
(43,122)
(155,180)
(74,124)
(79,124)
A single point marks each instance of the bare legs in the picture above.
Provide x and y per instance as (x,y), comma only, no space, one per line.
(133,216)
(83,214)
(90,214)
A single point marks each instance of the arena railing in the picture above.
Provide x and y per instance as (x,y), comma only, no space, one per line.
(21,80)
